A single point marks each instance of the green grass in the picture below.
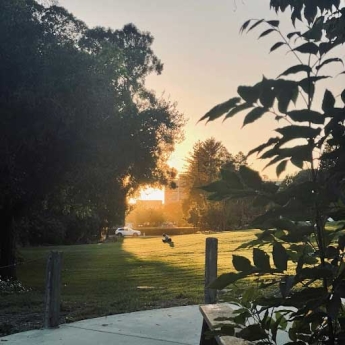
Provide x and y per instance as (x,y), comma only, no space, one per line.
(125,276)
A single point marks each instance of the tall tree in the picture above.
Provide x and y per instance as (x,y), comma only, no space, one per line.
(204,166)
(79,130)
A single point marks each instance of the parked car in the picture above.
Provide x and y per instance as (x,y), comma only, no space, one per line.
(127,232)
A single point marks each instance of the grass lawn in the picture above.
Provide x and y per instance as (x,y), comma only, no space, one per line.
(125,276)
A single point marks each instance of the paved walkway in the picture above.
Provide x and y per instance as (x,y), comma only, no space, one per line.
(169,326)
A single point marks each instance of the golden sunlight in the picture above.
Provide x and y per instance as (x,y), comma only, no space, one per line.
(150,193)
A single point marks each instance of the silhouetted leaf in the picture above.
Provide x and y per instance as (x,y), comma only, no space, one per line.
(287,91)
(266,32)
(215,187)
(241,263)
(261,147)
(328,101)
(280,256)
(220,109)
(226,279)
(343,96)
(296,69)
(254,115)
(276,46)
(308,48)
(281,167)
(306,115)
(274,23)
(237,109)
(250,177)
(261,260)
(252,333)
(291,34)
(268,93)
(329,61)
(255,24)
(245,25)
(297,162)
(310,11)
(250,93)
(295,132)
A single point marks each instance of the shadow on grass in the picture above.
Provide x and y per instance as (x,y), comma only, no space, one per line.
(99,280)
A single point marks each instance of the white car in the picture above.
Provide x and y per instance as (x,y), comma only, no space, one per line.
(127,232)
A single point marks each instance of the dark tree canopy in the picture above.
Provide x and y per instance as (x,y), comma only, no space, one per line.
(79,131)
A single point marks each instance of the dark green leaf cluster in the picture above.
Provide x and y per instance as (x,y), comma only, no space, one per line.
(293,236)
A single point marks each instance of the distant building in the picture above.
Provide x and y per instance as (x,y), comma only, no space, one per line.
(173,195)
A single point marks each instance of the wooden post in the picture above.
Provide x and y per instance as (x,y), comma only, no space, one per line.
(53,288)
(211,269)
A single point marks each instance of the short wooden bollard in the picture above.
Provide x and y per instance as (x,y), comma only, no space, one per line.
(211,258)
(210,295)
(52,290)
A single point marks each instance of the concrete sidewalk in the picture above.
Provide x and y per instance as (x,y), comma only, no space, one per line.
(169,326)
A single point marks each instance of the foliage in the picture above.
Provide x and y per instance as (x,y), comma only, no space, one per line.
(79,130)
(204,167)
(293,223)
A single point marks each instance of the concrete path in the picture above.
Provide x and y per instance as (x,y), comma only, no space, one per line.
(169,326)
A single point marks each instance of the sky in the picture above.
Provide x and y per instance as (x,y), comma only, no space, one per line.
(205,60)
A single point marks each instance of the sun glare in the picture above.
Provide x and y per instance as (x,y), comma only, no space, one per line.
(151,194)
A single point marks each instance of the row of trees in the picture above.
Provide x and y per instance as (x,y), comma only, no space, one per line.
(79,131)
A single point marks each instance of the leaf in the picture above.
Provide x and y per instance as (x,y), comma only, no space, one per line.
(216,186)
(261,147)
(280,256)
(308,48)
(241,263)
(281,167)
(255,24)
(291,34)
(254,115)
(276,46)
(274,23)
(268,93)
(252,333)
(249,93)
(287,92)
(266,32)
(226,279)
(220,109)
(261,260)
(296,132)
(237,109)
(343,96)
(245,25)
(329,61)
(306,115)
(296,69)
(328,101)
(297,162)
(250,177)
(310,11)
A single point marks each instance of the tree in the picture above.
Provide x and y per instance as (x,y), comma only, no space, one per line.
(204,166)
(316,288)
(79,131)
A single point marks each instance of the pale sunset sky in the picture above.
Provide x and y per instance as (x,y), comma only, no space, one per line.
(205,59)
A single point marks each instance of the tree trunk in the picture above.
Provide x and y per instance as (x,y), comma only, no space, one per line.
(7,246)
